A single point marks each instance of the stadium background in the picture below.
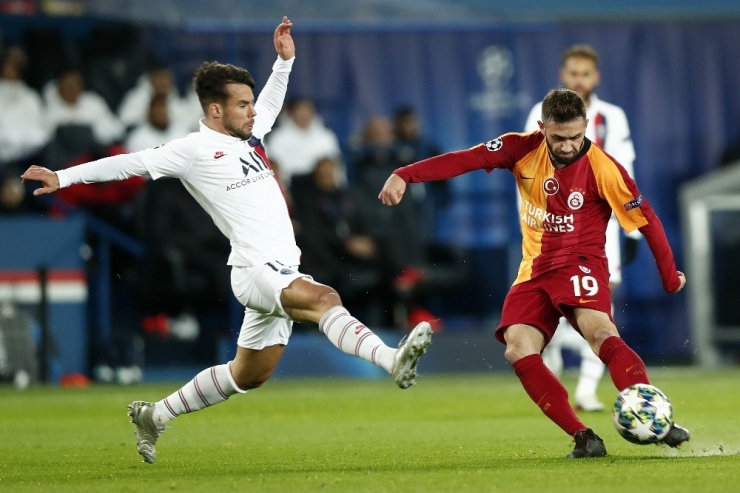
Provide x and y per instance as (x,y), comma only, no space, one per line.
(472,70)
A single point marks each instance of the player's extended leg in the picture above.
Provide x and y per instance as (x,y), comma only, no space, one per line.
(625,366)
(262,339)
(309,301)
(523,345)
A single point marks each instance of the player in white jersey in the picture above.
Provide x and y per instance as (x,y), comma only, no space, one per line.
(608,128)
(224,166)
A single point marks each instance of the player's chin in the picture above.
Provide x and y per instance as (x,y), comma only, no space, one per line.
(569,159)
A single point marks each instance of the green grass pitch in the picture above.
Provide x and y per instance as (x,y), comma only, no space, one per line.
(464,433)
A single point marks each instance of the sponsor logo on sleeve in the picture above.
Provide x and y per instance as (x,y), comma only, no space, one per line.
(633,204)
(494,145)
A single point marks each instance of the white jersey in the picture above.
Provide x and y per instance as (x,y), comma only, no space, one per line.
(608,128)
(229,177)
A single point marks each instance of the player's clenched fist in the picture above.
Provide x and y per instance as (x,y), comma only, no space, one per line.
(393,190)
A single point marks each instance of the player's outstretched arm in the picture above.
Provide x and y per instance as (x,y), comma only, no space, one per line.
(393,190)
(49,180)
(283,40)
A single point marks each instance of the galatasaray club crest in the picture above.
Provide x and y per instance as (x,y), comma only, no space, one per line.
(575,200)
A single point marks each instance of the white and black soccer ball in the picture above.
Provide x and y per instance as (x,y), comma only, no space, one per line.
(642,414)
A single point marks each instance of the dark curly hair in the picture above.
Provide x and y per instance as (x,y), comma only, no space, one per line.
(211,78)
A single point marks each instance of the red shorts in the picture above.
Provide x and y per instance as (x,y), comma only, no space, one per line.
(541,301)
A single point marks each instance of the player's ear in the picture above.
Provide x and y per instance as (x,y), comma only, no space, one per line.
(214,110)
(541,125)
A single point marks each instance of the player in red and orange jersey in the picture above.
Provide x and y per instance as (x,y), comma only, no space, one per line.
(569,188)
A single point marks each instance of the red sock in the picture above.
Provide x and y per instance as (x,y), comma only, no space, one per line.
(625,366)
(547,392)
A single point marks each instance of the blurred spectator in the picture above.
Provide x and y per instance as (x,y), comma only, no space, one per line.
(186,266)
(67,102)
(335,244)
(375,148)
(411,146)
(85,129)
(158,128)
(301,140)
(423,268)
(22,132)
(373,159)
(158,82)
(113,202)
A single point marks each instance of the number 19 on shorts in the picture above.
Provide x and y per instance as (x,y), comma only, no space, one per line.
(584,283)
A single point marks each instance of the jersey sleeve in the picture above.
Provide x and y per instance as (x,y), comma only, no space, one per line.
(172,159)
(271,98)
(502,152)
(119,167)
(633,211)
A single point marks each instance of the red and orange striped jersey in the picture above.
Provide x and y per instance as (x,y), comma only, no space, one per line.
(564,212)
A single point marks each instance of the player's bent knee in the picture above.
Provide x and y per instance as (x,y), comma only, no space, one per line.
(515,351)
(522,341)
(326,298)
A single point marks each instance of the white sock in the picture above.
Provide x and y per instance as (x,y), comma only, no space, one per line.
(209,387)
(352,337)
(591,371)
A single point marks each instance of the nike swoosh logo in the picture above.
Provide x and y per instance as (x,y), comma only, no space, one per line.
(581,300)
(526,177)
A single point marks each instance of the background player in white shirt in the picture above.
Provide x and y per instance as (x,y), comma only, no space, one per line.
(225,168)
(608,128)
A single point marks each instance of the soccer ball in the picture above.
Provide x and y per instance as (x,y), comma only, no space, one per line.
(642,414)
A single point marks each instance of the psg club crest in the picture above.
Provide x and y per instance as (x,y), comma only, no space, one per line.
(551,186)
(495,144)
